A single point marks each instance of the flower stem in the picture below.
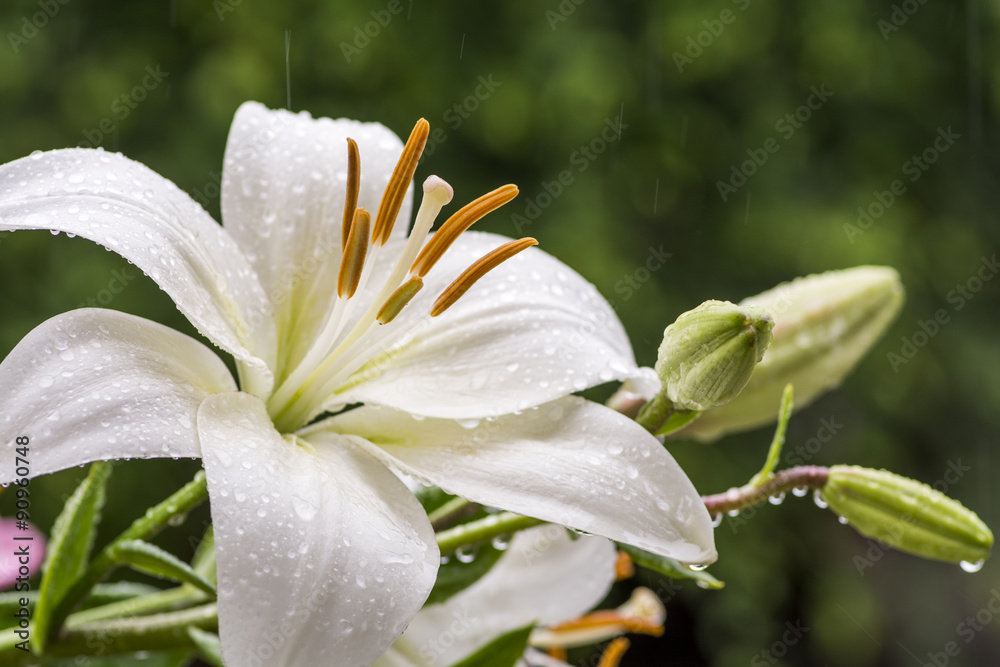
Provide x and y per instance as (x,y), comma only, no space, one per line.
(452,512)
(808,477)
(655,413)
(152,522)
(483,530)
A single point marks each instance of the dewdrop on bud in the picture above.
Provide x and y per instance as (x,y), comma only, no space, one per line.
(708,353)
(823,325)
(907,515)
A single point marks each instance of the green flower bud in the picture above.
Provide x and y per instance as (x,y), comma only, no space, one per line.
(824,325)
(907,515)
(708,353)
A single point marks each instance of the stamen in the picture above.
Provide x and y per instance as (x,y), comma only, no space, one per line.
(613,654)
(353,185)
(395,303)
(354,255)
(458,223)
(395,191)
(557,652)
(643,613)
(479,268)
(624,567)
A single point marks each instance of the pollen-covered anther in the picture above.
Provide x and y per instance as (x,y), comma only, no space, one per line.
(398,300)
(479,268)
(353,187)
(624,567)
(402,175)
(453,227)
(614,653)
(355,251)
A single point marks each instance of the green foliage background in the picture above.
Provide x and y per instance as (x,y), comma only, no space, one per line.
(564,69)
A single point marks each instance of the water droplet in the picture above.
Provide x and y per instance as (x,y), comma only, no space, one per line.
(501,542)
(777,498)
(697,567)
(842,520)
(717,519)
(972,567)
(466,554)
(799,491)
(733,512)
(305,509)
(820,499)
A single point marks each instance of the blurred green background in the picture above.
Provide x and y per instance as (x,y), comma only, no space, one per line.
(698,88)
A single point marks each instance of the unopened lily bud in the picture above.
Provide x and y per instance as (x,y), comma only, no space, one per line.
(907,515)
(824,325)
(709,353)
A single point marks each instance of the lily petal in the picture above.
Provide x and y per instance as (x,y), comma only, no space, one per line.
(128,208)
(527,333)
(544,578)
(96,384)
(572,462)
(283,191)
(324,555)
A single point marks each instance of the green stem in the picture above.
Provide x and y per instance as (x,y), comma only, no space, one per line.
(154,603)
(451,513)
(655,413)
(483,530)
(803,477)
(152,522)
(777,442)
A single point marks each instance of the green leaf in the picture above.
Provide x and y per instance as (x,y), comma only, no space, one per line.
(208,645)
(103,594)
(432,498)
(504,651)
(455,576)
(69,547)
(153,560)
(204,557)
(677,420)
(670,567)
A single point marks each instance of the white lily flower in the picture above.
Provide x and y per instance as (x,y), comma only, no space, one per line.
(323,554)
(546,579)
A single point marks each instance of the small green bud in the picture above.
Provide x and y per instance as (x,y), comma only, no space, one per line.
(823,325)
(907,515)
(708,353)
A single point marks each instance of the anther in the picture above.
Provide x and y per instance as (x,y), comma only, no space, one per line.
(624,567)
(613,654)
(395,191)
(458,223)
(479,268)
(355,251)
(353,185)
(395,303)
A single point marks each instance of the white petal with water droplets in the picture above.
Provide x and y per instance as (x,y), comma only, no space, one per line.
(324,555)
(570,461)
(96,384)
(530,331)
(545,578)
(146,219)
(283,190)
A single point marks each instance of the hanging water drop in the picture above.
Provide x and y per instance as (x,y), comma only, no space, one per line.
(800,491)
(697,567)
(842,520)
(777,498)
(972,567)
(820,499)
(733,512)
(717,519)
(500,542)
(466,554)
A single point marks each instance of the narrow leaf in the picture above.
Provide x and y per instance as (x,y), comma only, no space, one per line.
(670,567)
(69,546)
(208,645)
(504,651)
(153,560)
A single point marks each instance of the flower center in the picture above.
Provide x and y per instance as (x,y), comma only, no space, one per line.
(339,351)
